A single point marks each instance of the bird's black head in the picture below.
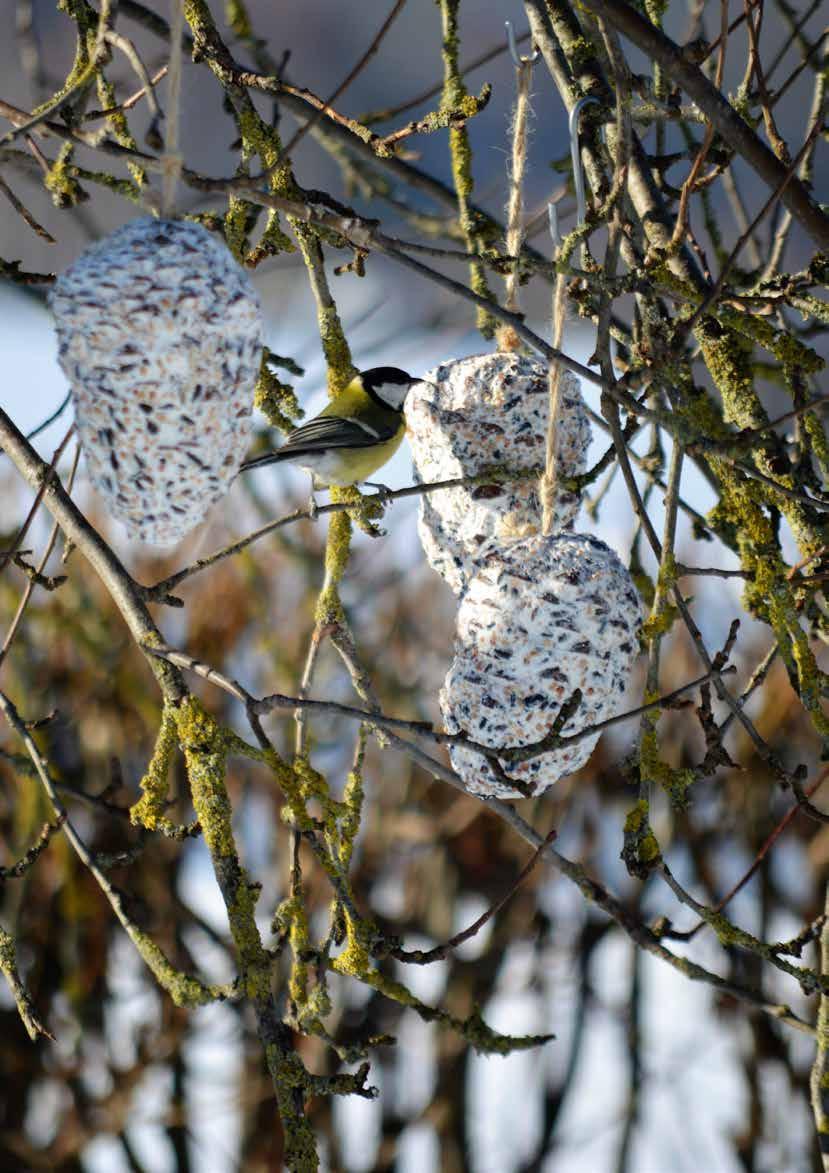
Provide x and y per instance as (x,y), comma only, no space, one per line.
(388,386)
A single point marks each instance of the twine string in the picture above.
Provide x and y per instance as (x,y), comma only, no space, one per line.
(547,484)
(172,161)
(507,338)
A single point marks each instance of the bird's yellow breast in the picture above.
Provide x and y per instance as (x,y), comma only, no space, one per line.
(349,466)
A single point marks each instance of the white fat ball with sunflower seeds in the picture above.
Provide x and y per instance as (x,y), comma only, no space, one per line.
(160,336)
(542,617)
(490,411)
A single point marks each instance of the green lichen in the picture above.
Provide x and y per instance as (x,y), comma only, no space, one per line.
(205,752)
(292,1084)
(675,782)
(253,960)
(365,511)
(818,442)
(663,614)
(291,920)
(784,345)
(275,399)
(809,306)
(83,66)
(258,138)
(352,804)
(337,549)
(314,786)
(636,817)
(781,609)
(355,958)
(272,242)
(659,623)
(728,358)
(472,1029)
(182,988)
(447,116)
(581,53)
(341,369)
(65,190)
(118,125)
(453,95)
(122,187)
(149,810)
(768,592)
(640,850)
(238,222)
(649,848)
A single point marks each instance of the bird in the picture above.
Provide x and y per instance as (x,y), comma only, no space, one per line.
(360,429)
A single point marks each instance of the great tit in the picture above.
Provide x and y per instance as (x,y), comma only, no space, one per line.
(359,430)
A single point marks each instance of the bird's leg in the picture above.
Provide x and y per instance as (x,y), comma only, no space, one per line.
(383,491)
(313,508)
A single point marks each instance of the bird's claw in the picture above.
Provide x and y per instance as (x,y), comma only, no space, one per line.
(382,492)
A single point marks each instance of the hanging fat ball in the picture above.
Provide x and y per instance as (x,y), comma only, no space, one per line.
(355,435)
(160,336)
(490,411)
(542,617)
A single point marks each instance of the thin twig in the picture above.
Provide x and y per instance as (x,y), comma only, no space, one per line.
(266,704)
(160,591)
(396,8)
(425,957)
(188,990)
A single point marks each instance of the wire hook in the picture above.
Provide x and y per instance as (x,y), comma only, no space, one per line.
(518,60)
(575,154)
(552,220)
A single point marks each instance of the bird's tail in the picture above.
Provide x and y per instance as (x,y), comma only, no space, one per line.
(266,458)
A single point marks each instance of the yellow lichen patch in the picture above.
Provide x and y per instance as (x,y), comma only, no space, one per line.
(473,1029)
(341,370)
(253,960)
(454,94)
(659,623)
(205,750)
(275,399)
(652,768)
(355,958)
(337,549)
(641,849)
(182,988)
(314,785)
(291,921)
(352,805)
(60,181)
(149,810)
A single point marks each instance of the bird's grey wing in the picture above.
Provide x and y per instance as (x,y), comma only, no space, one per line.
(331,431)
(323,433)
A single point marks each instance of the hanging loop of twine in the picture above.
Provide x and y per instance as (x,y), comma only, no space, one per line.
(507,338)
(547,484)
(172,162)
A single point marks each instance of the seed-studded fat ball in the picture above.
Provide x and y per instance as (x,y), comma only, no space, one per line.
(541,617)
(160,336)
(489,411)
